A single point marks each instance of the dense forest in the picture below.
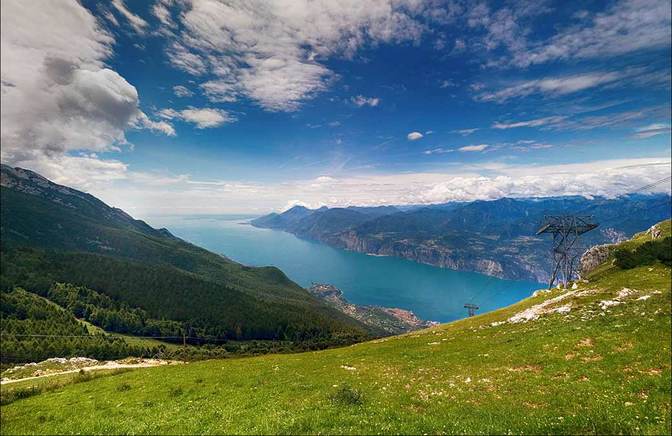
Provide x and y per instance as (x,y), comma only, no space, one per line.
(35,329)
(133,279)
(168,298)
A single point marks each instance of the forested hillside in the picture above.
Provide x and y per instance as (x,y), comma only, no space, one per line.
(52,234)
(35,329)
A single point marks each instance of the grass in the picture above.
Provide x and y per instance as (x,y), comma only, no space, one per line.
(24,389)
(133,340)
(592,370)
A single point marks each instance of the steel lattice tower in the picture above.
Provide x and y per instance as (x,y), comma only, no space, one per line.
(566,230)
(471,309)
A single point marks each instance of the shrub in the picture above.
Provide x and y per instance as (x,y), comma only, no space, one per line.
(346,396)
(646,254)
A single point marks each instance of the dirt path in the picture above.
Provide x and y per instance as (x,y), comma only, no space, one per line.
(108,365)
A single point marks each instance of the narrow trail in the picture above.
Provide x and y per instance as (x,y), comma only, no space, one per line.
(108,366)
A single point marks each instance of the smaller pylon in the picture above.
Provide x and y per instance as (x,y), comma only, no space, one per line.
(471,309)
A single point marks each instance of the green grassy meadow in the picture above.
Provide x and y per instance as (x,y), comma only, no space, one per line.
(599,365)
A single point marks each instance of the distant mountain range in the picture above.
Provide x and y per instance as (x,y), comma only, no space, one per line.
(492,237)
(160,284)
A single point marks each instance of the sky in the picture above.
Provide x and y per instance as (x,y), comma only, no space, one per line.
(170,107)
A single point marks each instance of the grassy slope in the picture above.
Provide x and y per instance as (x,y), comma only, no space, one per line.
(589,371)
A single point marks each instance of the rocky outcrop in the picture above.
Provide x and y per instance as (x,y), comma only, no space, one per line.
(391,320)
(516,264)
(654,231)
(594,257)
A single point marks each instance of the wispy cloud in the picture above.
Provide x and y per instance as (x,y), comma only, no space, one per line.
(529,123)
(627,26)
(466,132)
(203,118)
(652,130)
(476,147)
(137,23)
(439,150)
(360,101)
(552,86)
(182,91)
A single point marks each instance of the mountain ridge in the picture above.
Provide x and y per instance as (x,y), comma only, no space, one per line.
(51,234)
(495,237)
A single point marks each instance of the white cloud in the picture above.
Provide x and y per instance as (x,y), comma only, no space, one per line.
(203,118)
(477,147)
(83,172)
(137,23)
(466,132)
(552,86)
(414,136)
(273,52)
(360,101)
(627,26)
(182,91)
(439,150)
(111,18)
(57,94)
(529,123)
(221,91)
(652,130)
(161,10)
(183,59)
(488,181)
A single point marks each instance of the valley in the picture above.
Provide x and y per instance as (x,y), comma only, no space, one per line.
(590,359)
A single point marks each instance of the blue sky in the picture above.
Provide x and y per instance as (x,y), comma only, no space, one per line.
(208,107)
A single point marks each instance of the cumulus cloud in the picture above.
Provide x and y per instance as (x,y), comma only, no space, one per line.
(476,147)
(57,94)
(414,136)
(204,118)
(182,91)
(273,52)
(652,130)
(360,101)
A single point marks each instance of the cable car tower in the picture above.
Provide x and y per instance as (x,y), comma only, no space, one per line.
(566,230)
(471,309)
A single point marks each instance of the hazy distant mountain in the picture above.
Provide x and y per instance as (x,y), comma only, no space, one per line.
(493,237)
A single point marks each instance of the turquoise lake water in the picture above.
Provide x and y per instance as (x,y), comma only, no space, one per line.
(433,293)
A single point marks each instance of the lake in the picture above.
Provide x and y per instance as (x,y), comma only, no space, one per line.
(432,293)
